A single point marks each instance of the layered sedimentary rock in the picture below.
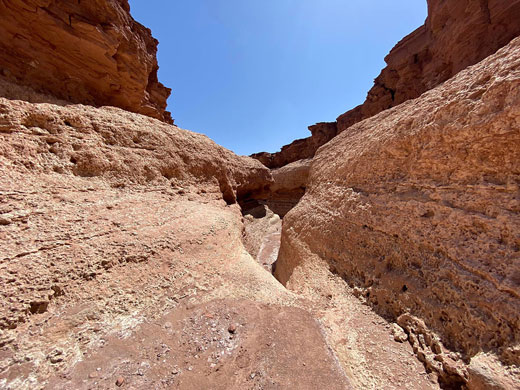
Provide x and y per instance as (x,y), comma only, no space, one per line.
(89,52)
(456,34)
(301,148)
(419,209)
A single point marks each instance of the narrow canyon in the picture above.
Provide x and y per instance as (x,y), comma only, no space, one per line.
(381,252)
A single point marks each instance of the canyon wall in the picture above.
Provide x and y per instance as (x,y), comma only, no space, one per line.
(124,148)
(418,208)
(289,186)
(301,148)
(456,34)
(89,52)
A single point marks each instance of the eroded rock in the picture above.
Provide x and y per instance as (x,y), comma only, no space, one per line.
(289,186)
(456,34)
(124,148)
(89,52)
(419,208)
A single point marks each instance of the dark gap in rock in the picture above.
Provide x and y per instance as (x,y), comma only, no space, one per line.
(38,307)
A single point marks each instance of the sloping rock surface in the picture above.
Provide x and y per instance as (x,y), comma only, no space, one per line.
(120,236)
(122,262)
(419,208)
(123,148)
(456,34)
(89,52)
(263,352)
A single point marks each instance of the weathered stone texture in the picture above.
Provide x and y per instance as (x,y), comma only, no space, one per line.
(420,207)
(456,34)
(123,147)
(89,52)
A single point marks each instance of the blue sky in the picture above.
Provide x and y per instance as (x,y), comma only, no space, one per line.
(252,75)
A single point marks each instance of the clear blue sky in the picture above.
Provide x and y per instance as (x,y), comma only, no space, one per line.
(252,75)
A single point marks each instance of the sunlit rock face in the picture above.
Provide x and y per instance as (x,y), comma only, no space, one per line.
(89,52)
(456,34)
(419,207)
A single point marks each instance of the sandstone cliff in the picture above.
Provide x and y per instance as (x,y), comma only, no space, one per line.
(301,148)
(456,34)
(89,52)
(419,209)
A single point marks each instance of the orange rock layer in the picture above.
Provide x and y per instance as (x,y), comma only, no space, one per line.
(456,34)
(89,52)
(419,209)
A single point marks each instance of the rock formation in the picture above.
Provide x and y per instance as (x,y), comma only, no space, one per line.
(301,148)
(89,52)
(419,209)
(109,220)
(456,34)
(136,254)
(122,262)
(289,186)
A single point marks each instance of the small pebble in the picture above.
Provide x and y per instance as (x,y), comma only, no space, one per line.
(232,328)
(120,381)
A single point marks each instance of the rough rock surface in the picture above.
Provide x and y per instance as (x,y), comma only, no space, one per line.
(112,219)
(124,148)
(419,208)
(456,34)
(88,52)
(289,186)
(300,149)
(193,348)
(121,264)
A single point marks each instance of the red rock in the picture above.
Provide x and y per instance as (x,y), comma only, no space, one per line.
(419,206)
(232,328)
(301,148)
(120,381)
(456,34)
(89,52)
